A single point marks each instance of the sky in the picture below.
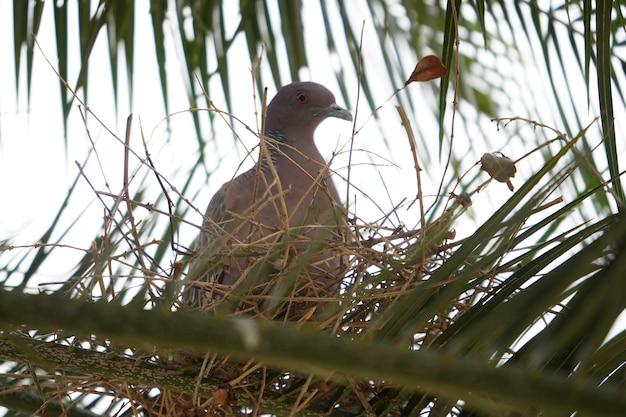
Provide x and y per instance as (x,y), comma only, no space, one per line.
(38,163)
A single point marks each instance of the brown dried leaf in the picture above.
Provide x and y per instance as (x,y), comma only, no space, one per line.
(224,395)
(321,386)
(428,68)
(220,396)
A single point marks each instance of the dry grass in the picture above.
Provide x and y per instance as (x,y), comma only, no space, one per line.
(379,266)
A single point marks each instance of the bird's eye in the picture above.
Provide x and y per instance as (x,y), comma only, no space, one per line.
(302,97)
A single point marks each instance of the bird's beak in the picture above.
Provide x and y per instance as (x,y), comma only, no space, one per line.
(339,112)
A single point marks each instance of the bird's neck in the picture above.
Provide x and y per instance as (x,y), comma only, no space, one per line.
(282,151)
(274,140)
(306,159)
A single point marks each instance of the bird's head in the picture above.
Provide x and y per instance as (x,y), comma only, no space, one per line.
(298,108)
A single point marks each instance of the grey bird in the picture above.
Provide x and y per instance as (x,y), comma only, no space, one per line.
(268,234)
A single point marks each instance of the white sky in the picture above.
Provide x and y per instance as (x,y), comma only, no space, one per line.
(37,166)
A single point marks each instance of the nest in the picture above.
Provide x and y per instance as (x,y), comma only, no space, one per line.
(377,267)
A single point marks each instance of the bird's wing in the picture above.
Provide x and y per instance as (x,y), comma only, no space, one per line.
(205,267)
